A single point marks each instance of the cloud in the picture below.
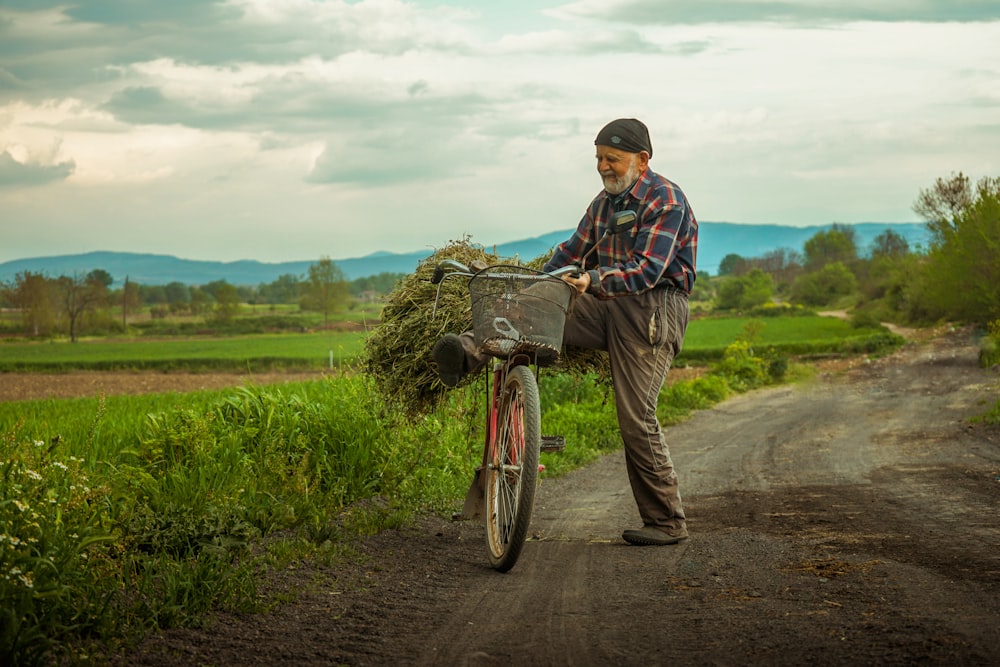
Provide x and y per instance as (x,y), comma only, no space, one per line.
(266,114)
(17,174)
(405,148)
(147,105)
(137,12)
(10,82)
(676,12)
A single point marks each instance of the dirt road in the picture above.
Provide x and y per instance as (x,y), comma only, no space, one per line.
(851,521)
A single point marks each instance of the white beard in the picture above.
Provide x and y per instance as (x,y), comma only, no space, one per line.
(616,186)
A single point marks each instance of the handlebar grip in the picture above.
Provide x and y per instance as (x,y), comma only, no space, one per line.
(438,275)
(573,270)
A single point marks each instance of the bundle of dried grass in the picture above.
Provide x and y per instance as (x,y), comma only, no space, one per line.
(398,351)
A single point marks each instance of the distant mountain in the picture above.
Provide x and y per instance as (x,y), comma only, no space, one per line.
(716,240)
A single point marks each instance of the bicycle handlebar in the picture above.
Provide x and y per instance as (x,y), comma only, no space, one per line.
(458,269)
(441,271)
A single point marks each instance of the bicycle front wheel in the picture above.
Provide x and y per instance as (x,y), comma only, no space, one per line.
(512,469)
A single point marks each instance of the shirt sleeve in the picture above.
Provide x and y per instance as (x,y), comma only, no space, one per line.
(572,250)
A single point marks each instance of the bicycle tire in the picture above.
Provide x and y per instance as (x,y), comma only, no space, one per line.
(512,472)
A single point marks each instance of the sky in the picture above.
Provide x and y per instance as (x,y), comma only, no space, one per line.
(290,130)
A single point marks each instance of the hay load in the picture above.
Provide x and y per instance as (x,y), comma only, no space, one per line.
(398,351)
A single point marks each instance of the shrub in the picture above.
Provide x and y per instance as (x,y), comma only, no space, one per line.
(678,400)
(989,346)
(825,286)
(741,368)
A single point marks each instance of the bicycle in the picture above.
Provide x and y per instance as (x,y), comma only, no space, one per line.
(518,316)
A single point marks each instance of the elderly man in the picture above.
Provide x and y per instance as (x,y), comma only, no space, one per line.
(633,304)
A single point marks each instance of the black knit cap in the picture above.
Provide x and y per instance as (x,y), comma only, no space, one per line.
(627,134)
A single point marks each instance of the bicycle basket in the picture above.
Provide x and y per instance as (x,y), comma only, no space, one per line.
(517,310)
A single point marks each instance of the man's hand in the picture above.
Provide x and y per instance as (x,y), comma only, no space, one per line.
(580,283)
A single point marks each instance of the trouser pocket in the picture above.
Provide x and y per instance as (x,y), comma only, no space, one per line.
(668,321)
(656,329)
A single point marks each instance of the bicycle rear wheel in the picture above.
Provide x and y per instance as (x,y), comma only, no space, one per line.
(512,470)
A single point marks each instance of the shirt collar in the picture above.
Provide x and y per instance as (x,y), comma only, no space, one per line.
(637,191)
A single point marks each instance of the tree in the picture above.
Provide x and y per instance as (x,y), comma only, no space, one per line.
(783,264)
(200,301)
(32,294)
(962,272)
(731,265)
(326,289)
(382,283)
(79,295)
(100,277)
(284,289)
(834,245)
(152,295)
(130,300)
(889,244)
(824,287)
(177,295)
(744,292)
(215,286)
(944,202)
(227,300)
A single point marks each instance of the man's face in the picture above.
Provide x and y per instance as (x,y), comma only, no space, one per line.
(618,168)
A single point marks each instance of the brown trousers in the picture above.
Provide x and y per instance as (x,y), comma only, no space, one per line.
(641,334)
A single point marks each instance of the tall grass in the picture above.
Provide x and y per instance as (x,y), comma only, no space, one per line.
(163,506)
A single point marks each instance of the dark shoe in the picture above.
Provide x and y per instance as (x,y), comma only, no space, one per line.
(449,355)
(653,536)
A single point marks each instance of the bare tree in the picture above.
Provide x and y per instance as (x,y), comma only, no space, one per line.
(941,204)
(80,295)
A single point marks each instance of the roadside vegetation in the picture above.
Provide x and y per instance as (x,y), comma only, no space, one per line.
(122,515)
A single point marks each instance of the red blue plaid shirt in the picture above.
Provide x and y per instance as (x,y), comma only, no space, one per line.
(661,249)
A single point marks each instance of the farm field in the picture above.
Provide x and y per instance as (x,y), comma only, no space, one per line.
(706,338)
(247,353)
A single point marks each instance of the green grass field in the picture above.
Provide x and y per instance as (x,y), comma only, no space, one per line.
(705,340)
(253,352)
(719,332)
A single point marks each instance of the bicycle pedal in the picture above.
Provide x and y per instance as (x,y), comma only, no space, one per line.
(553,443)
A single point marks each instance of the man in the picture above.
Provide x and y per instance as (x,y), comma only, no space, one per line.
(633,303)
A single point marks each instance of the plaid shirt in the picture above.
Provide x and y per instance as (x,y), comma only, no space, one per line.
(660,250)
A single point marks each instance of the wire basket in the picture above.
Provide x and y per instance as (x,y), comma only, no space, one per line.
(517,310)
